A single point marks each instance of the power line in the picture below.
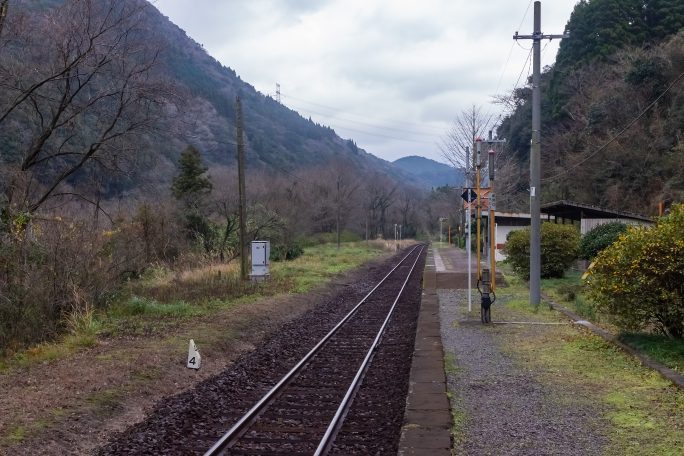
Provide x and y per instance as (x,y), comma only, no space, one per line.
(528,65)
(364,124)
(380,135)
(365,117)
(505,67)
(612,140)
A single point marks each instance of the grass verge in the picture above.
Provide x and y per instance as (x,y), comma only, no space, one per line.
(568,291)
(669,352)
(458,414)
(164,299)
(642,414)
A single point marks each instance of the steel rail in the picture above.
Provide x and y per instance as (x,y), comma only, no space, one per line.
(238,428)
(341,412)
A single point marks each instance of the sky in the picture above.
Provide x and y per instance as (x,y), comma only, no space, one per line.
(390,74)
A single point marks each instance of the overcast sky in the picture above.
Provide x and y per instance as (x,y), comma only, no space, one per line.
(390,74)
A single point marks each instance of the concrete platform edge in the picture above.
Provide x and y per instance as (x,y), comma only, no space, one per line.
(426,430)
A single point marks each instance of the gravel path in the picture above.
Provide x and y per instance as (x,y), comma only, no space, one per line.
(503,409)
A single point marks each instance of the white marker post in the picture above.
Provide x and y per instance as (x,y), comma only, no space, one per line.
(194,358)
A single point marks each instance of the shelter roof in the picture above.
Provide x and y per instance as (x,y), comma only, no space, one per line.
(576,211)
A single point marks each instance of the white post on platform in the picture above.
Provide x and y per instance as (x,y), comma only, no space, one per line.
(468,240)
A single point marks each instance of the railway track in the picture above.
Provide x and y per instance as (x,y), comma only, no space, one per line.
(304,411)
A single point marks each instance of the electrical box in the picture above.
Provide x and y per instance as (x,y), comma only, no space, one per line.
(261,252)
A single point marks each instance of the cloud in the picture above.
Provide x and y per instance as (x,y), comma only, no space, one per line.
(382,61)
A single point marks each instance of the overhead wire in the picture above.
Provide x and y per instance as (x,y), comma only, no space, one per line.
(365,124)
(505,67)
(526,65)
(380,135)
(620,133)
(343,119)
(365,117)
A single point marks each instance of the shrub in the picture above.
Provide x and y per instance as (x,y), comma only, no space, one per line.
(638,279)
(559,246)
(599,238)
(325,238)
(51,274)
(283,252)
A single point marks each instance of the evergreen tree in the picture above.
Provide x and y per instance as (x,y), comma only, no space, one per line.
(191,187)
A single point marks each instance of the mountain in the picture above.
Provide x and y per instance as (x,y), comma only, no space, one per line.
(431,173)
(278,138)
(197,108)
(612,109)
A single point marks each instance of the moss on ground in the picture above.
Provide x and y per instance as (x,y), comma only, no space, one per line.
(644,412)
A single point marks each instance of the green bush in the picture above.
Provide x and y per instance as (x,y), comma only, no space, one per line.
(638,279)
(283,252)
(599,238)
(559,246)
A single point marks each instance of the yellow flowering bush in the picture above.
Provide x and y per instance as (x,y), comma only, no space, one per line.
(639,279)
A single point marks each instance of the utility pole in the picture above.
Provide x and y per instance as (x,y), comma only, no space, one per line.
(241,188)
(278,92)
(477,167)
(535,155)
(492,207)
(440,229)
(469,244)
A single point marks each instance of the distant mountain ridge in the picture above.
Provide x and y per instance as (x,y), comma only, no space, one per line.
(278,139)
(431,173)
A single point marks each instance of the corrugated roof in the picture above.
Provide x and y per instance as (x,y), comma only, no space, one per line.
(577,211)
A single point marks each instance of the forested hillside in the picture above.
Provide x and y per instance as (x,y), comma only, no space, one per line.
(613,108)
(118,156)
(180,95)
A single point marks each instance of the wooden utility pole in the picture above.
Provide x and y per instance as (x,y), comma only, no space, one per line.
(241,188)
(492,206)
(535,156)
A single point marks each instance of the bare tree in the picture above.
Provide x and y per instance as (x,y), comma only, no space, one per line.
(4,6)
(379,195)
(334,187)
(468,125)
(82,93)
(408,202)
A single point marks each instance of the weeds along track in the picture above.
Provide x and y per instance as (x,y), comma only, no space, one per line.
(310,389)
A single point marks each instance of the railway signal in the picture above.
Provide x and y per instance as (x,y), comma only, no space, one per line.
(469,195)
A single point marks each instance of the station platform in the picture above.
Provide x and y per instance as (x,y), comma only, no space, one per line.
(426,429)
